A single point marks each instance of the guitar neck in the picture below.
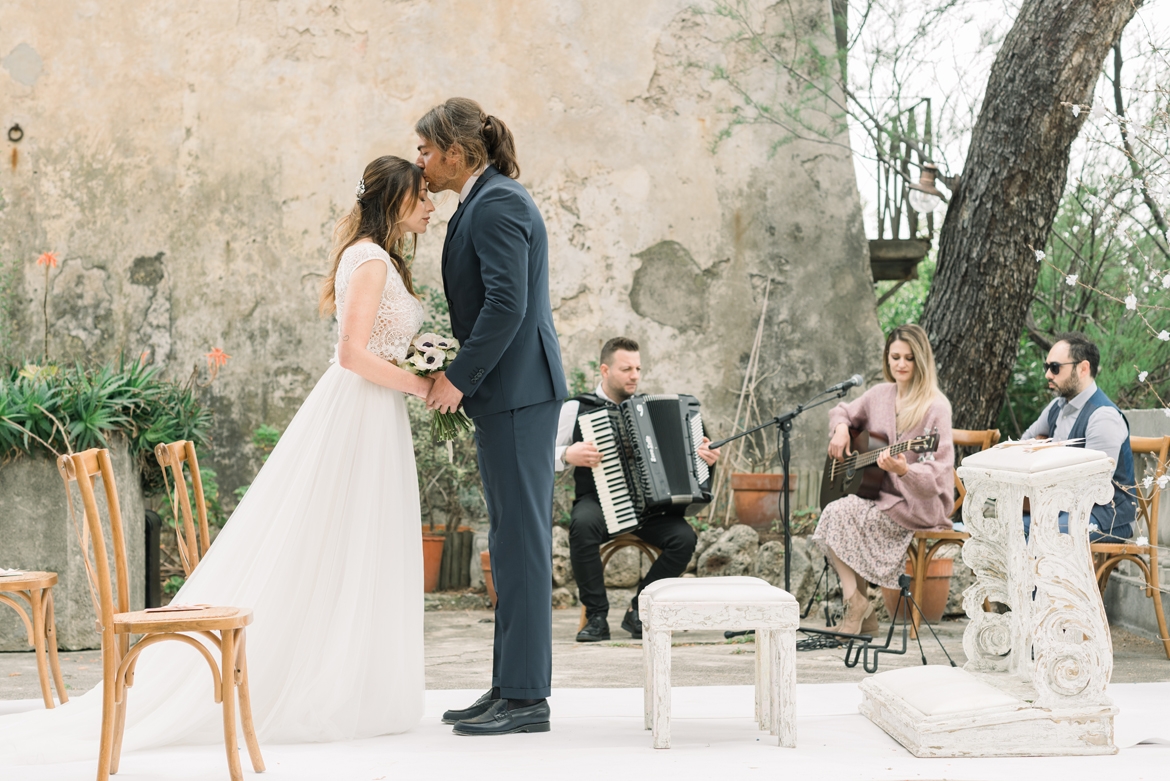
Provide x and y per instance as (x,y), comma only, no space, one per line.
(870,458)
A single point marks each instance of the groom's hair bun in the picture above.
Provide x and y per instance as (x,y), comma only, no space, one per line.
(482,138)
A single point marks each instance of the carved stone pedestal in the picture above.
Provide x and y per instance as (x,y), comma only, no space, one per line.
(1034,683)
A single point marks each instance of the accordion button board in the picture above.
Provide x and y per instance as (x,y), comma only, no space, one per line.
(649,458)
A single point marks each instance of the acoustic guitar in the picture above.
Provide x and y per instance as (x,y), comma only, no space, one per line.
(856,474)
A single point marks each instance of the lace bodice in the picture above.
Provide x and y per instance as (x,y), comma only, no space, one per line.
(400,315)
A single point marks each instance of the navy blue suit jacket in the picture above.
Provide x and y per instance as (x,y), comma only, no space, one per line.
(495,275)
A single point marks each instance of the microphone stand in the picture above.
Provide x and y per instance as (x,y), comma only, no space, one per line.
(784,443)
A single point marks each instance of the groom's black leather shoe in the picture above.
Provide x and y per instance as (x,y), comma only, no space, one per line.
(478,708)
(498,720)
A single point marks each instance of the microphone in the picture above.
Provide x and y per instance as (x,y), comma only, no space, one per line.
(852,382)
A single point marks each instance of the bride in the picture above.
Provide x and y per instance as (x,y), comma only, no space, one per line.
(325,547)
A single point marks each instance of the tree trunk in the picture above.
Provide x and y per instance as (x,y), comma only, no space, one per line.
(1008,195)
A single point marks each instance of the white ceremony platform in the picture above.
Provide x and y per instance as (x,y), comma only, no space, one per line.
(600,731)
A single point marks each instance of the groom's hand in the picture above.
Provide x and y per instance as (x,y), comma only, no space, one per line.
(444,397)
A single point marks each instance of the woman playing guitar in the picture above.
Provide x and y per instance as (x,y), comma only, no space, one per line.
(866,539)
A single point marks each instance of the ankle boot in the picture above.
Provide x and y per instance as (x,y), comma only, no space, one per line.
(857,609)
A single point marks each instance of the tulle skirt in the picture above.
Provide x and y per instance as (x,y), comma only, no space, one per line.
(326,549)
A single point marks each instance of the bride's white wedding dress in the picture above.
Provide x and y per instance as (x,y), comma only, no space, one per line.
(326,548)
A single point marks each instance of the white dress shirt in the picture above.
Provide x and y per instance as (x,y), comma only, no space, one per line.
(566,424)
(1105,431)
(471,180)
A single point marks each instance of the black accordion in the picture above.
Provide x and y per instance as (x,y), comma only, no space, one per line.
(649,458)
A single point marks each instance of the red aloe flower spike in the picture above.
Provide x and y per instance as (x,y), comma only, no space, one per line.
(48,259)
(216,358)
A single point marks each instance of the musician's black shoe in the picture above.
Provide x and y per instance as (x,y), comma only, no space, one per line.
(631,622)
(596,629)
(500,719)
(477,708)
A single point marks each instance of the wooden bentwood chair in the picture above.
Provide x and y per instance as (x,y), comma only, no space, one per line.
(608,549)
(192,547)
(1107,555)
(221,627)
(36,589)
(927,543)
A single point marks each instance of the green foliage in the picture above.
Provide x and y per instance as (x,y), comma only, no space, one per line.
(450,491)
(438,318)
(905,306)
(581,381)
(61,409)
(264,438)
(173,584)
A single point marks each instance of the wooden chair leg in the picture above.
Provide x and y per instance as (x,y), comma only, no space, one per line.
(109,706)
(241,676)
(228,684)
(918,587)
(1156,593)
(38,638)
(51,644)
(119,730)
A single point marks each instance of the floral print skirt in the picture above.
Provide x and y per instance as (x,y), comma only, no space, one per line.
(865,538)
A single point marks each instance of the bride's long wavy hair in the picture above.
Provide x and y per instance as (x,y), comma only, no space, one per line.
(391,187)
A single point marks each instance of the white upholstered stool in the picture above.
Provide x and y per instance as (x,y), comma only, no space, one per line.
(735,603)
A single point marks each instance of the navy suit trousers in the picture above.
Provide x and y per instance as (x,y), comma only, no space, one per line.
(516,452)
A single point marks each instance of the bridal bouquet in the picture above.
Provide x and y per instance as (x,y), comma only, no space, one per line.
(427,354)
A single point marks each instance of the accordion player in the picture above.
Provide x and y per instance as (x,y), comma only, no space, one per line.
(649,458)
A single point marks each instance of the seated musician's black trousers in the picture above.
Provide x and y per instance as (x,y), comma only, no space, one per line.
(587,533)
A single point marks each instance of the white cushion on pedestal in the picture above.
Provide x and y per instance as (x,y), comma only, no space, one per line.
(935,690)
(1017,459)
(731,591)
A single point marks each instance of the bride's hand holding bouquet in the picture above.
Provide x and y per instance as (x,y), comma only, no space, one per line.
(427,355)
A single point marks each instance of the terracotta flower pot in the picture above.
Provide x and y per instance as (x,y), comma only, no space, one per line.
(757,498)
(432,560)
(935,591)
(485,561)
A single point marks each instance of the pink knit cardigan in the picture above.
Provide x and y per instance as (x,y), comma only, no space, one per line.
(924,497)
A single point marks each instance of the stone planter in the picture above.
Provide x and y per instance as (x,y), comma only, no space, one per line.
(36,533)
(757,498)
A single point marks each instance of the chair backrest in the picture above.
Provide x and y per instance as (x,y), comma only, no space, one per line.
(84,469)
(1149,498)
(192,546)
(981,439)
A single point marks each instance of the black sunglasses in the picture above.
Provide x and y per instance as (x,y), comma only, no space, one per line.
(1054,366)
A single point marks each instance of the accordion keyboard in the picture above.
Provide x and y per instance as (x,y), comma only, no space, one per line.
(613,492)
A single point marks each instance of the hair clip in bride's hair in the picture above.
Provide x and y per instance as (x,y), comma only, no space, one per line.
(360,190)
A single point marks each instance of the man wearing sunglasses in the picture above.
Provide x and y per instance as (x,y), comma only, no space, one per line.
(1082,411)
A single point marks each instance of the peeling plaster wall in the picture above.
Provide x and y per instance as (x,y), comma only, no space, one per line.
(187,161)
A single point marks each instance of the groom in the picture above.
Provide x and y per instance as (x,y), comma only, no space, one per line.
(509,379)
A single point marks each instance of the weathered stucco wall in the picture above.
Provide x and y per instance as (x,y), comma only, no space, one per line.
(187,160)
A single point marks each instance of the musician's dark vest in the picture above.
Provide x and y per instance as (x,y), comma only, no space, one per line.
(583,476)
(1117,517)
